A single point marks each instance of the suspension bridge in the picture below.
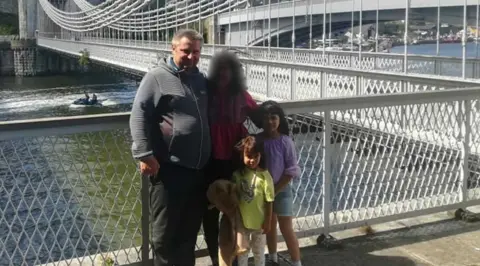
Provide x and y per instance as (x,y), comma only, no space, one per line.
(380,136)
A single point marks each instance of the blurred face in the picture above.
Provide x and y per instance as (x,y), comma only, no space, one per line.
(251,160)
(225,76)
(271,122)
(186,53)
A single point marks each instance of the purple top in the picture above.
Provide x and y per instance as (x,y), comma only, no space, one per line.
(281,157)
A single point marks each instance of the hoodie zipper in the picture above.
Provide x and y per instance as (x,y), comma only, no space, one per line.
(201,121)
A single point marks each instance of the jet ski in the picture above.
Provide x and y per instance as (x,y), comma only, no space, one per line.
(83,101)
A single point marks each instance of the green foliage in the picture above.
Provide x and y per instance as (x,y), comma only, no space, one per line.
(105,261)
(8,24)
(8,30)
(109,261)
(84,59)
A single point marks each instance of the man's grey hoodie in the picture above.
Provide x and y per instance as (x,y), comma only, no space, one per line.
(169,117)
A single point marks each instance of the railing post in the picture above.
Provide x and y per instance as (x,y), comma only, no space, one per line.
(293,79)
(437,67)
(323,82)
(269,82)
(327,173)
(475,69)
(405,110)
(466,152)
(145,197)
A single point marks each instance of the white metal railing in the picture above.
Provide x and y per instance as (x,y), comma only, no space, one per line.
(71,189)
(389,62)
(277,80)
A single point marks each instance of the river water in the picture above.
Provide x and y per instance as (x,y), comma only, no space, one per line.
(70,196)
(38,97)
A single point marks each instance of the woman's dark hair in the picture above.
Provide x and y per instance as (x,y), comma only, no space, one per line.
(252,145)
(273,108)
(229,59)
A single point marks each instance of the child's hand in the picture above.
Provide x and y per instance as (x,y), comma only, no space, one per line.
(266,227)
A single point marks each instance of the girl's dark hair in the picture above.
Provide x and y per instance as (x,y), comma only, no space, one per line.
(273,108)
(252,145)
(229,59)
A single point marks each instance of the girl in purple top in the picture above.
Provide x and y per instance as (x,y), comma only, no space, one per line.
(282,164)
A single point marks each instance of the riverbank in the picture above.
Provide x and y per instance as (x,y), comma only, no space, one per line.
(423,42)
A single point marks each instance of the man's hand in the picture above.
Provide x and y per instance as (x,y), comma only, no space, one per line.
(149,165)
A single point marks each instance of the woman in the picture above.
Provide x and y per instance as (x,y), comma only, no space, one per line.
(229,106)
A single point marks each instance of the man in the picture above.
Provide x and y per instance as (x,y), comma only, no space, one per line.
(171,139)
(94,98)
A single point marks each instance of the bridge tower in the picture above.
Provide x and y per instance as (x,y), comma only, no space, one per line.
(22,19)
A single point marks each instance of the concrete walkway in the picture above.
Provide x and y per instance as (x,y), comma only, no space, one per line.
(435,239)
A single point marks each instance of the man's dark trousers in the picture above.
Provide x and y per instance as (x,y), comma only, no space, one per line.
(177,203)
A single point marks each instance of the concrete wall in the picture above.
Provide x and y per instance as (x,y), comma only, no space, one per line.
(22,19)
(31,17)
(23,58)
(7,67)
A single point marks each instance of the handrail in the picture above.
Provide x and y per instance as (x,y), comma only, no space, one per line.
(306,50)
(334,70)
(102,122)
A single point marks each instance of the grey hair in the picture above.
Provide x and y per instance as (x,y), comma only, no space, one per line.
(190,34)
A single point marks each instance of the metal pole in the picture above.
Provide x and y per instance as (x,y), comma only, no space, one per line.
(310,20)
(248,28)
(353,25)
(293,32)
(145,219)
(324,28)
(230,24)
(376,27)
(476,31)
(330,24)
(278,24)
(464,39)
(360,39)
(269,26)
(405,38)
(438,28)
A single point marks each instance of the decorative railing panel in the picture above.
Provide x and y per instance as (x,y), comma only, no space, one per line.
(281,81)
(390,62)
(71,190)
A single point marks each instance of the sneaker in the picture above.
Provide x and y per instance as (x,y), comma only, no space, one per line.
(272,263)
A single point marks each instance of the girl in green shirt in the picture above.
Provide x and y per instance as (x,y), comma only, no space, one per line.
(256,196)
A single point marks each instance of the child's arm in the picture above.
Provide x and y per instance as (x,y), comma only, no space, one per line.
(268,217)
(269,198)
(291,166)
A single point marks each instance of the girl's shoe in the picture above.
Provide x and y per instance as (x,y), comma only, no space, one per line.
(272,263)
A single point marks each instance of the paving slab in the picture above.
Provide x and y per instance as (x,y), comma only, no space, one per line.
(431,240)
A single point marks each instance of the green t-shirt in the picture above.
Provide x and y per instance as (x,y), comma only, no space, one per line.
(255,188)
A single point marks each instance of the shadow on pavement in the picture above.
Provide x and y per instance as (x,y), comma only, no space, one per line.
(383,248)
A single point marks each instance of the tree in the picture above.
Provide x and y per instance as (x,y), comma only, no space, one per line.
(84,59)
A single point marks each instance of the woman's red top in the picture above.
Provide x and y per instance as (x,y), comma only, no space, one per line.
(227,116)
